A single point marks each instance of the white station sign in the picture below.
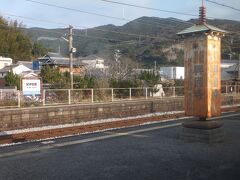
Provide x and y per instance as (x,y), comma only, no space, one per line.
(31,87)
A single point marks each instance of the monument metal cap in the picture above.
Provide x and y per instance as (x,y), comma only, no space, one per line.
(201,28)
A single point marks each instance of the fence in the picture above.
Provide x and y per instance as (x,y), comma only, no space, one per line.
(14,98)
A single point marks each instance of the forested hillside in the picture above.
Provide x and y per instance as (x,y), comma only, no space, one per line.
(156,40)
(145,40)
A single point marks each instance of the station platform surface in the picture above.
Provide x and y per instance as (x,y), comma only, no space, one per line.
(152,151)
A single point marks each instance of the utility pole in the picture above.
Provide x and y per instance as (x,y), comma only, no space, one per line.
(70,42)
(155,67)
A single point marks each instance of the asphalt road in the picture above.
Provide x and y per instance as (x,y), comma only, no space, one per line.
(151,152)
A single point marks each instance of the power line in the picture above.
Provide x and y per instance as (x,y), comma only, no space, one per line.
(97,14)
(224,5)
(150,8)
(77,10)
(97,29)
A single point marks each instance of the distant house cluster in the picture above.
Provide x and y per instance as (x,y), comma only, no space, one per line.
(95,66)
(83,65)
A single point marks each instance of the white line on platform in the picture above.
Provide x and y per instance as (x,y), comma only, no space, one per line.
(225,116)
(36,149)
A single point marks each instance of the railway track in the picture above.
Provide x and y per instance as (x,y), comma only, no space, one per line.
(74,130)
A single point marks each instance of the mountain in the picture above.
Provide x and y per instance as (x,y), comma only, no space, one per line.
(144,40)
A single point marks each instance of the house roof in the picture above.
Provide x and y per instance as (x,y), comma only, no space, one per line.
(226,63)
(28,74)
(10,67)
(232,68)
(26,63)
(57,59)
(200,28)
(225,75)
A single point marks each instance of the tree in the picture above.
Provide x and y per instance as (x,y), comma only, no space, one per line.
(38,50)
(12,79)
(52,76)
(123,68)
(150,79)
(15,44)
(84,82)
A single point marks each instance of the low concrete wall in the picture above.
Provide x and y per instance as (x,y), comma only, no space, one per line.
(42,116)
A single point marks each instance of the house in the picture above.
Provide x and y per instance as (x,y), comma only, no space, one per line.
(16,68)
(93,62)
(229,70)
(4,61)
(55,60)
(28,64)
(172,72)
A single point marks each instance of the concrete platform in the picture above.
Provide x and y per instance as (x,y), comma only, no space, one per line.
(149,152)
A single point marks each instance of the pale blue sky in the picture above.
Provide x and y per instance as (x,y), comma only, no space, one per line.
(36,11)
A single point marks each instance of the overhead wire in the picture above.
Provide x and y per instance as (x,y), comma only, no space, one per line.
(149,8)
(124,19)
(96,14)
(223,5)
(97,29)
(152,8)
(104,30)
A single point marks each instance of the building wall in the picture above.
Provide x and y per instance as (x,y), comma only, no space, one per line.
(76,70)
(94,64)
(5,62)
(172,72)
(16,70)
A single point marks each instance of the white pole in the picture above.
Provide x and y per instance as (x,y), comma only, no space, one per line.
(44,94)
(112,95)
(146,91)
(92,94)
(19,98)
(69,96)
(130,94)
(70,41)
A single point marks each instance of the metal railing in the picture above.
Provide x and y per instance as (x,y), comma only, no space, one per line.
(14,98)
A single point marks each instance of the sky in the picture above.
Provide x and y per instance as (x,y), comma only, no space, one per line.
(37,15)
